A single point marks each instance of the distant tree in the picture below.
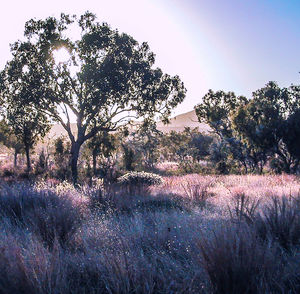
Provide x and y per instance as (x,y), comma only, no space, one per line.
(198,144)
(129,156)
(188,145)
(62,158)
(42,163)
(255,155)
(145,140)
(28,125)
(216,109)
(108,78)
(291,135)
(174,146)
(9,139)
(103,144)
(220,156)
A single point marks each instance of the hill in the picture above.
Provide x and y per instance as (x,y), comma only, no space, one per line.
(177,123)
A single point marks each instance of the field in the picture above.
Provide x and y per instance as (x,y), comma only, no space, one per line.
(191,234)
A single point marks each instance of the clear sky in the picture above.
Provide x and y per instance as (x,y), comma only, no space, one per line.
(236,45)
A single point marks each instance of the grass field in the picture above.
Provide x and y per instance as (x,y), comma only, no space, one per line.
(192,234)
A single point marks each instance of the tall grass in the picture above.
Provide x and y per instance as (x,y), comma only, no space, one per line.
(56,239)
(48,215)
(238,262)
(280,221)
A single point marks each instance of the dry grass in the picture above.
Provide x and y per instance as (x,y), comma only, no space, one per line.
(192,234)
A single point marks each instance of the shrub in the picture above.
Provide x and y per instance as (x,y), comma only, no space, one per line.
(138,182)
(140,178)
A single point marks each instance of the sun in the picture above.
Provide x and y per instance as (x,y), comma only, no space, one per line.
(61,55)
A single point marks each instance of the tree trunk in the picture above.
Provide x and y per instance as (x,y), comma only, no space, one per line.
(94,163)
(295,167)
(74,160)
(15,158)
(27,151)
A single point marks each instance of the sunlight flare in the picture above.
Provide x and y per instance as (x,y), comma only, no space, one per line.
(61,55)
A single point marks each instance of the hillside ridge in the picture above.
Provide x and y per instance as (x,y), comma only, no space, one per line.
(176,123)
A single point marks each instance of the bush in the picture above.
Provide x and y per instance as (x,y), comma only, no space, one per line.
(139,182)
(140,178)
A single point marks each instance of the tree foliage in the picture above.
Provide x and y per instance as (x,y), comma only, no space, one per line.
(268,124)
(215,110)
(255,130)
(145,141)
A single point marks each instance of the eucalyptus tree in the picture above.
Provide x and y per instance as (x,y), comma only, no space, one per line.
(108,78)
(27,124)
(102,144)
(9,139)
(215,110)
(270,123)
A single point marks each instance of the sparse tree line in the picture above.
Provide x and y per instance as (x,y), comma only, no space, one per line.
(110,80)
(108,155)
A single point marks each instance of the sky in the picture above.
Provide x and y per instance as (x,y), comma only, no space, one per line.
(230,45)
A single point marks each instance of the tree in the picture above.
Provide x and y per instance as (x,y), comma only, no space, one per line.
(198,144)
(8,139)
(17,88)
(145,141)
(108,77)
(188,147)
(291,135)
(215,109)
(174,146)
(61,158)
(28,126)
(103,144)
(268,124)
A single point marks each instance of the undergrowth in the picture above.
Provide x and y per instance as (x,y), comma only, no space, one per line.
(189,234)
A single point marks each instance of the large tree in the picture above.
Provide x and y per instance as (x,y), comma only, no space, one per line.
(107,78)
